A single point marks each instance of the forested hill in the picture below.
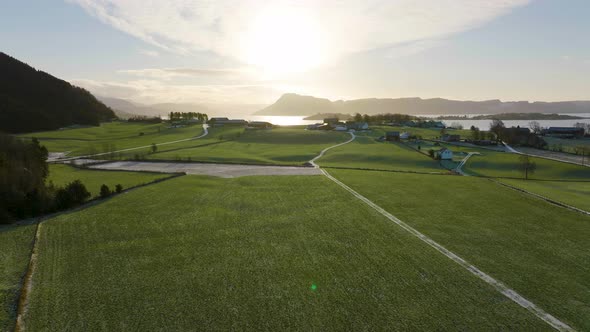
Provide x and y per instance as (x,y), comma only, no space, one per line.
(32,100)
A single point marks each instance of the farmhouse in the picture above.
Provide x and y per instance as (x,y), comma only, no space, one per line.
(392,136)
(444,154)
(219,121)
(357,125)
(259,125)
(451,138)
(563,132)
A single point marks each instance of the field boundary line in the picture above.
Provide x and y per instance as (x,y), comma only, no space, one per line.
(499,286)
(547,199)
(23,298)
(312,162)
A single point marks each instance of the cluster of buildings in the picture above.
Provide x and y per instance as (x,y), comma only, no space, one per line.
(337,125)
(563,132)
(221,122)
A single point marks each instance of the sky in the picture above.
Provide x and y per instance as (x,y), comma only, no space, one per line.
(253,51)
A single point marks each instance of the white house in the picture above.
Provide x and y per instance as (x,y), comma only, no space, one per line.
(444,154)
(341,128)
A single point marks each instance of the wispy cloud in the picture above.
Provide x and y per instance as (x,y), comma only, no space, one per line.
(151,53)
(170,73)
(344,26)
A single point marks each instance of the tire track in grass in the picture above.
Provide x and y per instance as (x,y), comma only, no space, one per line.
(312,162)
(499,286)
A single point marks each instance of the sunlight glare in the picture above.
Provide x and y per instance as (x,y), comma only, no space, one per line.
(283,40)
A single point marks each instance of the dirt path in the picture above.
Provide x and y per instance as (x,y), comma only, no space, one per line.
(220,170)
(205,133)
(499,286)
(459,168)
(312,162)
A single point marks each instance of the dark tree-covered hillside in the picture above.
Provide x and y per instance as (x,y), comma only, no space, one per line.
(32,100)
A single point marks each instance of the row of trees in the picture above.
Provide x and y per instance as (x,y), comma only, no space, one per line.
(179,116)
(384,118)
(24,189)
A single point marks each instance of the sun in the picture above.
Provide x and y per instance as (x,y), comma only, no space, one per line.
(283,41)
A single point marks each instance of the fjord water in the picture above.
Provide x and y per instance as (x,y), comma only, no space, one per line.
(482,124)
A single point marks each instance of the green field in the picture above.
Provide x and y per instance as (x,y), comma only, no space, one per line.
(576,194)
(505,165)
(261,253)
(366,153)
(566,145)
(539,249)
(15,250)
(279,146)
(112,136)
(61,175)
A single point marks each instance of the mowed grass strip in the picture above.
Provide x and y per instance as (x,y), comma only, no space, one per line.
(506,165)
(15,250)
(576,194)
(279,146)
(257,253)
(61,175)
(365,152)
(538,249)
(112,136)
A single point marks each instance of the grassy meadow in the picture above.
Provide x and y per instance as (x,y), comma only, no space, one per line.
(539,249)
(112,136)
(263,253)
(15,250)
(61,175)
(505,165)
(279,146)
(366,153)
(576,194)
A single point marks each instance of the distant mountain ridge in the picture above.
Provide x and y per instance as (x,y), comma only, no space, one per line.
(293,104)
(32,100)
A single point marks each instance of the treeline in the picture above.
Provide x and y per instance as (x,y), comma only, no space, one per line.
(180,116)
(385,118)
(24,191)
(145,119)
(32,100)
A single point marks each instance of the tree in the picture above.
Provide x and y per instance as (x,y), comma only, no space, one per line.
(154,148)
(475,133)
(526,165)
(535,127)
(105,191)
(431,153)
(497,127)
(73,194)
(366,118)
(118,188)
(358,117)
